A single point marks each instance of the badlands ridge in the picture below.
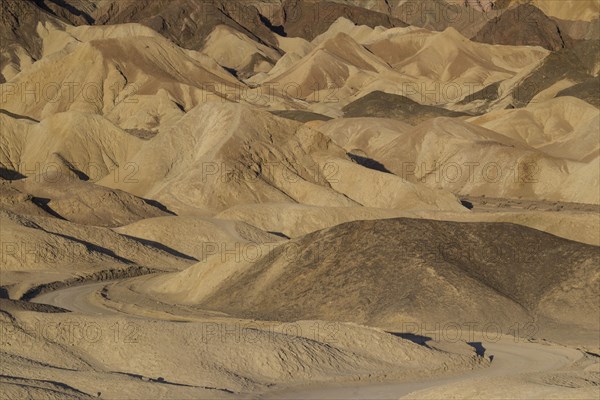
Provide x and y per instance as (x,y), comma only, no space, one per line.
(299,199)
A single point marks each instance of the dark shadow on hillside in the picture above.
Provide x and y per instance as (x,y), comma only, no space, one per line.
(10,175)
(413,337)
(63,4)
(143,134)
(17,116)
(278,29)
(91,247)
(43,204)
(479,349)
(80,175)
(466,204)
(160,246)
(300,116)
(159,205)
(232,71)
(368,163)
(280,234)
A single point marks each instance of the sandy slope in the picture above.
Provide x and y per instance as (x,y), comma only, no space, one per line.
(333,64)
(412,51)
(194,236)
(58,144)
(219,167)
(109,77)
(436,152)
(229,367)
(409,61)
(236,51)
(41,249)
(235,155)
(582,10)
(86,203)
(564,127)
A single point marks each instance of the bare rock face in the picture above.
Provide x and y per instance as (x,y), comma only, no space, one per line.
(524,25)
(19,41)
(19,20)
(577,64)
(308,19)
(186,22)
(480,5)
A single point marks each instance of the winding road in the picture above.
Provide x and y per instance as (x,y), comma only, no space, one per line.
(77,299)
(511,357)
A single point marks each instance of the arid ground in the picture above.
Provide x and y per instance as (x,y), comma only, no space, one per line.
(300,199)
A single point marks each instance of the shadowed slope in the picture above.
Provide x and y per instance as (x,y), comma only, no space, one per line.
(384,105)
(391,271)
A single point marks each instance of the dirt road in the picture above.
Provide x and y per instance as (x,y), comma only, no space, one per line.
(511,356)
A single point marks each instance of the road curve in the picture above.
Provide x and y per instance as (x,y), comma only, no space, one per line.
(510,359)
(77,299)
(511,356)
